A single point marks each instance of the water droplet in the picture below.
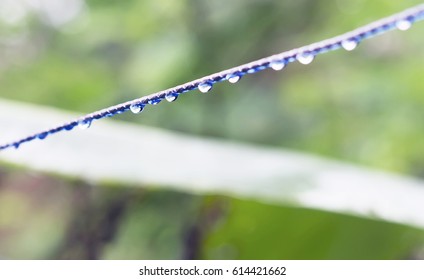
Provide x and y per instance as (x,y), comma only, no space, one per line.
(137,107)
(42,135)
(219,79)
(69,126)
(291,59)
(255,69)
(154,101)
(349,44)
(403,24)
(205,87)
(277,65)
(233,78)
(172,96)
(333,47)
(305,57)
(16,145)
(84,124)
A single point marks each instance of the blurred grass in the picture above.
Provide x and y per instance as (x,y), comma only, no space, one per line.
(252,229)
(362,107)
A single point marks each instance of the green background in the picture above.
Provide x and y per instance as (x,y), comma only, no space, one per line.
(362,107)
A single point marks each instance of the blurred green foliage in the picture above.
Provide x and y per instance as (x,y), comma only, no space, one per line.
(362,107)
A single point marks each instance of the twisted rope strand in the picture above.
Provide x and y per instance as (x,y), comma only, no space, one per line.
(304,55)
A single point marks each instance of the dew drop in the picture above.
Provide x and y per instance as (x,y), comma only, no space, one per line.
(291,59)
(255,69)
(305,57)
(69,127)
(349,44)
(16,145)
(84,124)
(277,65)
(172,96)
(154,101)
(403,24)
(42,135)
(137,107)
(233,78)
(205,87)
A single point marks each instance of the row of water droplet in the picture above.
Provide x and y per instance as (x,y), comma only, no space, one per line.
(304,57)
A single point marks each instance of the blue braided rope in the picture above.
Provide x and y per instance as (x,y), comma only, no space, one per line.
(304,55)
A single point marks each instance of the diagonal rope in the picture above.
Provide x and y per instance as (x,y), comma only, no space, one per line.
(304,55)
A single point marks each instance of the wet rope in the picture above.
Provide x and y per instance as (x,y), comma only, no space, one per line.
(304,55)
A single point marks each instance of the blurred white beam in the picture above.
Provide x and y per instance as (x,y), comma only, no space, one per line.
(113,151)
